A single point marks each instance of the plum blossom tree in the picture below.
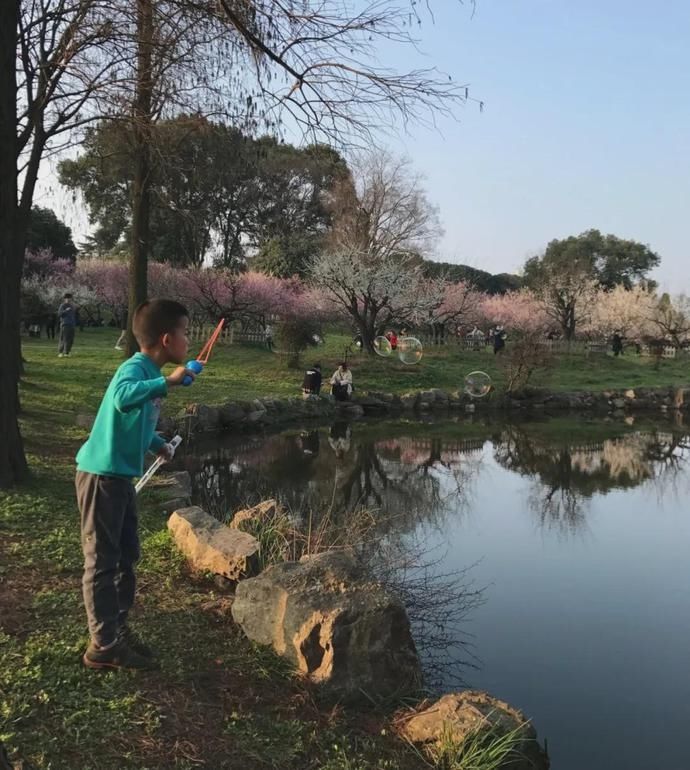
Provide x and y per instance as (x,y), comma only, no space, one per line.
(520,311)
(451,305)
(630,311)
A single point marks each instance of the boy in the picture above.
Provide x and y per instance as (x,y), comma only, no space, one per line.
(124,430)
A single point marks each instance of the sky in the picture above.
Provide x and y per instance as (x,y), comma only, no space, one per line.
(586,125)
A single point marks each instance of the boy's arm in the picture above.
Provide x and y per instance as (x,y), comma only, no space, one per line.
(157,442)
(132,391)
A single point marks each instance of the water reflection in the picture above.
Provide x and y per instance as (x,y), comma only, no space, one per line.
(413,473)
(566,475)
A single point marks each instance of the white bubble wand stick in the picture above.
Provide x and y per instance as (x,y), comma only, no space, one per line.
(156,464)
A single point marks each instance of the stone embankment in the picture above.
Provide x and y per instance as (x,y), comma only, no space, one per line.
(274,412)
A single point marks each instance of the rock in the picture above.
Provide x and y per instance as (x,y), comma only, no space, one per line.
(461,714)
(85,421)
(264,510)
(349,409)
(409,400)
(231,414)
(206,418)
(470,408)
(175,484)
(618,403)
(334,623)
(630,395)
(211,546)
(176,489)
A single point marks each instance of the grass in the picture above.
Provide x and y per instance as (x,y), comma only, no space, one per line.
(243,372)
(219,701)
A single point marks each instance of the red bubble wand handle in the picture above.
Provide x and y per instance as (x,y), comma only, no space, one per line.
(197,365)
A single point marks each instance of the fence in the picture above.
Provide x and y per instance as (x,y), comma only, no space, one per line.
(232,335)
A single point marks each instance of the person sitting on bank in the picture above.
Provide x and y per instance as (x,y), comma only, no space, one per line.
(311,385)
(341,383)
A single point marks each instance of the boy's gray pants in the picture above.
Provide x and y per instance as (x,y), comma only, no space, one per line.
(110,542)
(66,339)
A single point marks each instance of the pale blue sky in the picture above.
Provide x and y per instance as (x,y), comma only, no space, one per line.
(586,124)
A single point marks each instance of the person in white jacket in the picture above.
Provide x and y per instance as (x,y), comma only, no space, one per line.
(341,382)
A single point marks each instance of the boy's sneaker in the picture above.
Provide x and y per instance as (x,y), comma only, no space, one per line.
(118,657)
(135,642)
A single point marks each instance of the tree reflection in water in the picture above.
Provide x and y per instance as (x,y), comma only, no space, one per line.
(566,475)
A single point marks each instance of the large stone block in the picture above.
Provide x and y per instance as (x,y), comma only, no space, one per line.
(213,547)
(337,626)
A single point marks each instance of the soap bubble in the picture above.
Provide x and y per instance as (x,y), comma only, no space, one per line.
(382,346)
(478,384)
(410,350)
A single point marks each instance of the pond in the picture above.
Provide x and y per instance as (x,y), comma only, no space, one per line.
(576,532)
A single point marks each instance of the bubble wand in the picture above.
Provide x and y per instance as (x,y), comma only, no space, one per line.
(197,365)
(156,464)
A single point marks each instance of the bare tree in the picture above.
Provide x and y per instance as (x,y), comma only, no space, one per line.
(567,292)
(53,64)
(671,316)
(383,223)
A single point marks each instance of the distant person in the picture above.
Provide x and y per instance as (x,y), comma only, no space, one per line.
(617,344)
(51,323)
(311,384)
(392,337)
(67,313)
(499,339)
(341,383)
(119,345)
(268,336)
(113,455)
(357,339)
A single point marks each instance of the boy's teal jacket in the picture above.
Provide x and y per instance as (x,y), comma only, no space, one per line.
(125,426)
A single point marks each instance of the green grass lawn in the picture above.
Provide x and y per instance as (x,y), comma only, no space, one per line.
(219,701)
(246,371)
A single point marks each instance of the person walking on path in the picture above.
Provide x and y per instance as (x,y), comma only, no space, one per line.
(67,315)
(123,432)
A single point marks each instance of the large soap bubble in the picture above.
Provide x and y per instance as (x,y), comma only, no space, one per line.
(410,350)
(478,384)
(382,346)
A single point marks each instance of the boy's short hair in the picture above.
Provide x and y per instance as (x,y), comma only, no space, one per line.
(67,296)
(156,317)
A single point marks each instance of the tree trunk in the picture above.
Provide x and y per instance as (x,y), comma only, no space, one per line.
(368,332)
(13,467)
(141,184)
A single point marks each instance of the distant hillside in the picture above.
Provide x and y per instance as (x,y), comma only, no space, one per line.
(481,279)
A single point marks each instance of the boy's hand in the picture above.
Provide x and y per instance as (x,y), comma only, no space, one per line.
(178,375)
(166,452)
